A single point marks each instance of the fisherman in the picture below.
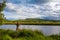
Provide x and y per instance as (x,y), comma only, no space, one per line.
(17,24)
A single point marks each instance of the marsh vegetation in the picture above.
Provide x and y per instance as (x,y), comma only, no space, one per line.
(25,34)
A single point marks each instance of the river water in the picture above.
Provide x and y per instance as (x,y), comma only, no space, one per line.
(47,30)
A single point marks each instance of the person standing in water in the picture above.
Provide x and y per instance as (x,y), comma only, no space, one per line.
(17,26)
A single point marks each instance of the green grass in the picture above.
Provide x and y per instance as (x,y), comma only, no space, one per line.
(33,22)
(23,35)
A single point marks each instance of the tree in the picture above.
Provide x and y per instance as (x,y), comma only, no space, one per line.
(2,6)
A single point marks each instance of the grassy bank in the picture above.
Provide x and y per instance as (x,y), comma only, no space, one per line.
(24,35)
(33,22)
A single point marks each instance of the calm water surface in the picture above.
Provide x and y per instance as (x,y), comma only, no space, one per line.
(47,30)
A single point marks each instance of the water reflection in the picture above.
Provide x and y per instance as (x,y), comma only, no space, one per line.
(47,30)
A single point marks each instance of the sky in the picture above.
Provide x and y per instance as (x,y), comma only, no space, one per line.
(22,9)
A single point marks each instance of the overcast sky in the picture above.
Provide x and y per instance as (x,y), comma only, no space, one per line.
(21,9)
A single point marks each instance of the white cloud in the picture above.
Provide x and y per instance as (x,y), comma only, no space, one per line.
(50,9)
(23,11)
(55,0)
(11,6)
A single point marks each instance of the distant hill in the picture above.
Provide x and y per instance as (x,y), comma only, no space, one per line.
(41,19)
(33,19)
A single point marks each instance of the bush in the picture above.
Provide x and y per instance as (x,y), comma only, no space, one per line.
(5,37)
(23,35)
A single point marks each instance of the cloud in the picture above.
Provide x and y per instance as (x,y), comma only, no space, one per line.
(14,1)
(22,10)
(38,1)
(1,1)
(49,10)
(29,1)
(10,6)
(55,0)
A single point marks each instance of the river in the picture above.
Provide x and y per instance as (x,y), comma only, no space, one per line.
(47,30)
